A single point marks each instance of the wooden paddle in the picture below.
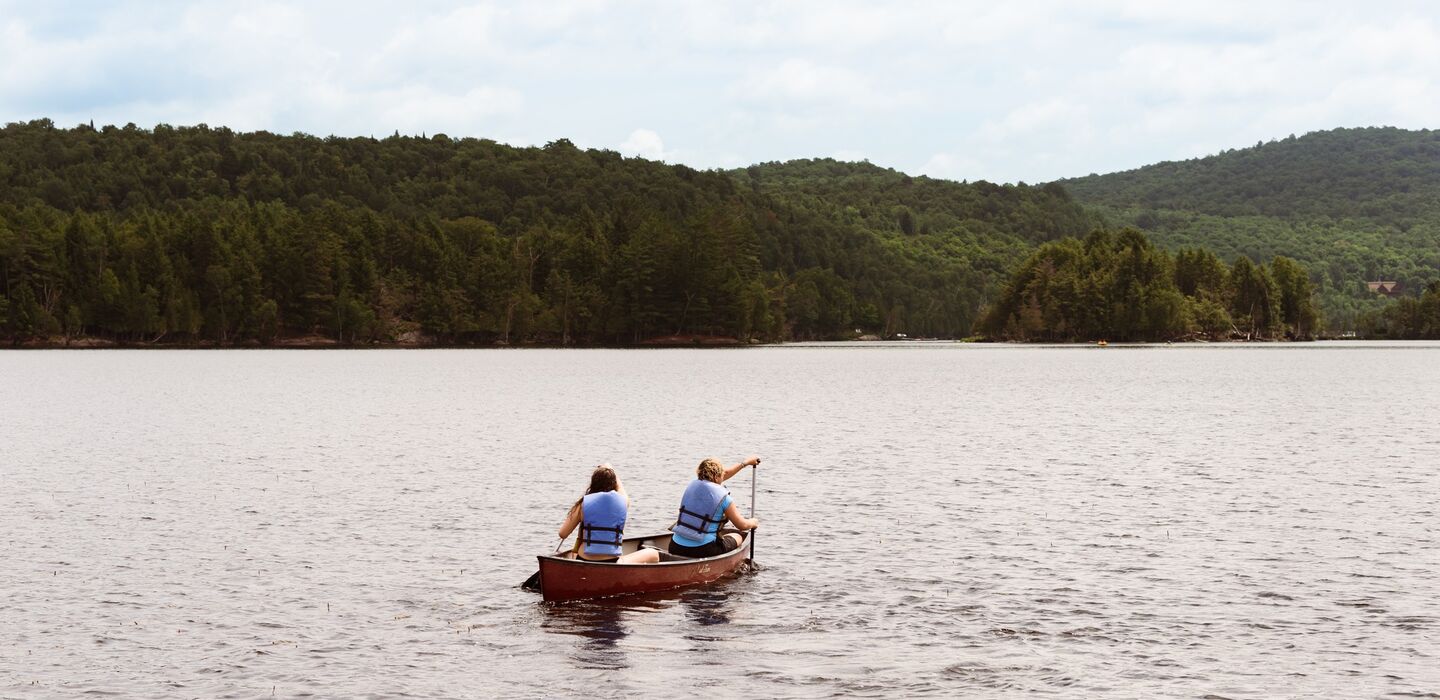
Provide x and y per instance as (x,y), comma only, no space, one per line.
(533,583)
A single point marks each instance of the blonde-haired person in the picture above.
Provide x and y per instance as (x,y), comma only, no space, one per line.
(705,506)
(601,515)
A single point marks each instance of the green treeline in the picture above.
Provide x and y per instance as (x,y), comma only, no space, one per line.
(199,235)
(1351,205)
(1389,175)
(1119,286)
(1408,318)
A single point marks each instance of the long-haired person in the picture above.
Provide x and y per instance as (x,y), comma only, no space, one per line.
(707,505)
(601,514)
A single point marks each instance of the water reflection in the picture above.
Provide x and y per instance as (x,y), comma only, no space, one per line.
(600,627)
(707,606)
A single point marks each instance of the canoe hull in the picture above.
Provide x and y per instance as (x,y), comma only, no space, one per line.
(563,578)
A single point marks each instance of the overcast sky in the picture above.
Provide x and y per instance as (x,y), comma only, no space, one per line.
(1003,91)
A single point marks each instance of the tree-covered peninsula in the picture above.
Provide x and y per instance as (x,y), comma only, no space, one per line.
(205,236)
(1408,318)
(1351,205)
(1119,286)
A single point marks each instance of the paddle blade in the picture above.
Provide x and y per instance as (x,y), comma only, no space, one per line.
(532,583)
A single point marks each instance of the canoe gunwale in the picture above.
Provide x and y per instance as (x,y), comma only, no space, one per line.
(742,548)
(580,579)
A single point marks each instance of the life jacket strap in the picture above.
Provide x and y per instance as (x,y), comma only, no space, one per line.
(705,520)
(587,530)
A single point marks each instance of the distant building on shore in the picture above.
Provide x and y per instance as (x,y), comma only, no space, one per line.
(1388,289)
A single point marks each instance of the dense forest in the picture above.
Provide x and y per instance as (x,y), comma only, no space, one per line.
(199,235)
(1350,204)
(1409,318)
(1119,286)
(205,236)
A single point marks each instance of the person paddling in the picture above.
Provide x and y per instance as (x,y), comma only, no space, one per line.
(704,507)
(601,515)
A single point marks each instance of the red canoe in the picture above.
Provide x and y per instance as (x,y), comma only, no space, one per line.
(563,577)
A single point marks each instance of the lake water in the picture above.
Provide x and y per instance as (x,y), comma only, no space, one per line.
(1189,521)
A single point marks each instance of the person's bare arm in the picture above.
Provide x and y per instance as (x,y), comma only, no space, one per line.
(571,520)
(732,471)
(739,521)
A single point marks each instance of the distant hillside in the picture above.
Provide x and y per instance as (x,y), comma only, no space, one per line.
(1389,175)
(1351,204)
(866,220)
(887,199)
(200,235)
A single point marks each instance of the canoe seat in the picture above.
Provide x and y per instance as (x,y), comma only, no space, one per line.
(665,555)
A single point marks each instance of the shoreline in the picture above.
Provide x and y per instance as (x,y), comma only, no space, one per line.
(312,342)
(661,342)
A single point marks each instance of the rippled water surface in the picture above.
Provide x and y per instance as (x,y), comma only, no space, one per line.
(1236,521)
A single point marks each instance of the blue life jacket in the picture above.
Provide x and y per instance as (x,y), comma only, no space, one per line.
(702,510)
(602,523)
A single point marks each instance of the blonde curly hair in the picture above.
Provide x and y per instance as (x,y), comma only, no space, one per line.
(710,470)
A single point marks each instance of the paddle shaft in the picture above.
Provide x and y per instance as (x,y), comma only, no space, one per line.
(754,476)
(534,580)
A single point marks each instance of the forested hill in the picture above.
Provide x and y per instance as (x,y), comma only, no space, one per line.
(1351,204)
(1389,175)
(204,235)
(886,198)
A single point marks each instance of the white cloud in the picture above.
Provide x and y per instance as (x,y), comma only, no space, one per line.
(950,166)
(1046,115)
(994,24)
(1015,91)
(415,108)
(804,82)
(645,144)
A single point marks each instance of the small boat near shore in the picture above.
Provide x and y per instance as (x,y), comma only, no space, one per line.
(563,577)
